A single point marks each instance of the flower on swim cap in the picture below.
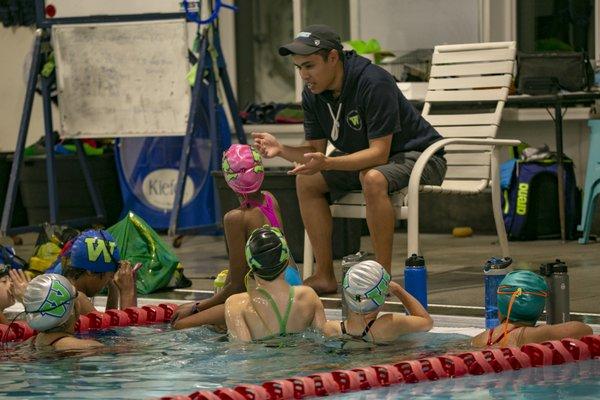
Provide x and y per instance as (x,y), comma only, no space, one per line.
(365,286)
(267,252)
(49,301)
(243,168)
(529,291)
(95,251)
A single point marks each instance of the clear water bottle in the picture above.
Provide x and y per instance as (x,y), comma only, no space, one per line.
(415,278)
(557,302)
(494,270)
(347,262)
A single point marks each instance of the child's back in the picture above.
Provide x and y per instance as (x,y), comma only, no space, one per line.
(277,309)
(274,308)
(366,286)
(255,211)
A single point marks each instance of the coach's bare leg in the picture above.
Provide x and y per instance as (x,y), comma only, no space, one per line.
(311,191)
(380,215)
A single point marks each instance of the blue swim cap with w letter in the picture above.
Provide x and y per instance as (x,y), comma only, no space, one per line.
(95,251)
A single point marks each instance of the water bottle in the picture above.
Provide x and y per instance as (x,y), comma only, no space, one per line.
(347,262)
(557,302)
(494,270)
(415,278)
(219,281)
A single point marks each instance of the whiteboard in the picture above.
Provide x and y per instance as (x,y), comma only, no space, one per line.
(122,79)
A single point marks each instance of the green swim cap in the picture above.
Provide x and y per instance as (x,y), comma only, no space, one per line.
(529,290)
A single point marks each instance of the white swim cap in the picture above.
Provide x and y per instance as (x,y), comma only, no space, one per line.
(365,286)
(49,301)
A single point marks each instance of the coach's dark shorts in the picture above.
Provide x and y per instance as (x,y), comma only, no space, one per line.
(396,171)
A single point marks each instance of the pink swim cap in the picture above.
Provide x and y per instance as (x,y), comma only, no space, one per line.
(243,169)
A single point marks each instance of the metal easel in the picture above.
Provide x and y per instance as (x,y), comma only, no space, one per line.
(211,68)
(40,54)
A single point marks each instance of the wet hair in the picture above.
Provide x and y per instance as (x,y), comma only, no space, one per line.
(68,271)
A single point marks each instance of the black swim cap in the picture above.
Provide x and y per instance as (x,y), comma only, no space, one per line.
(267,252)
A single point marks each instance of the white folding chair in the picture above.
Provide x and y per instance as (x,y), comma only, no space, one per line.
(468,87)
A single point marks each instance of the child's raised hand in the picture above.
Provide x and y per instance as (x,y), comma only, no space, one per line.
(19,283)
(125,277)
(136,268)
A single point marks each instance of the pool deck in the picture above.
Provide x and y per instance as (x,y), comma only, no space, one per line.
(454,269)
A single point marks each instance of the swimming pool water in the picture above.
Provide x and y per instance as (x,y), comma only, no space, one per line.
(149,362)
(580,380)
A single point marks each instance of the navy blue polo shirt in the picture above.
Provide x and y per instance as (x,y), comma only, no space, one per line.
(372,107)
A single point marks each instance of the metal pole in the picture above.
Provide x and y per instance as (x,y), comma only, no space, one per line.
(186,147)
(560,166)
(224,75)
(89,181)
(297,22)
(50,172)
(214,135)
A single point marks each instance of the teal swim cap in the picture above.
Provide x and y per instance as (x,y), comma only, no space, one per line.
(529,291)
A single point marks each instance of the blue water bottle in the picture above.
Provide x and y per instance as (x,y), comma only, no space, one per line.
(494,270)
(415,278)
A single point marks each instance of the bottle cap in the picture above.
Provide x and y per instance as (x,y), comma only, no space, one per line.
(415,261)
(219,281)
(497,263)
(552,268)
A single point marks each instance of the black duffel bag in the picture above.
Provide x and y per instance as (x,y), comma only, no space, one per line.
(549,72)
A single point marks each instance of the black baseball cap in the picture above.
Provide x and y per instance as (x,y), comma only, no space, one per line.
(312,39)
